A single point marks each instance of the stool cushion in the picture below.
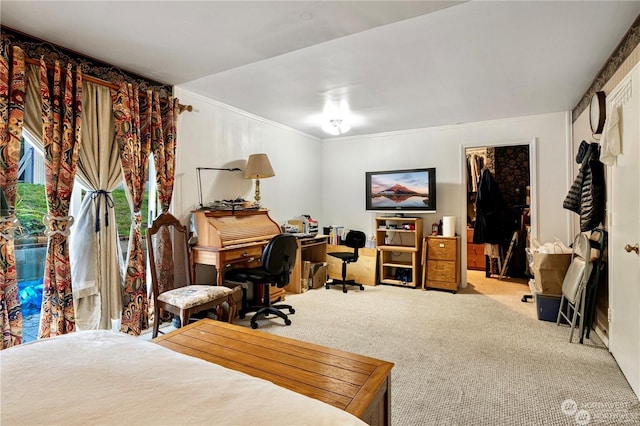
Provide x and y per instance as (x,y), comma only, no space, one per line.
(343,255)
(193,295)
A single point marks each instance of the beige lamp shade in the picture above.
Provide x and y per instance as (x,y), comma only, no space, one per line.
(258,167)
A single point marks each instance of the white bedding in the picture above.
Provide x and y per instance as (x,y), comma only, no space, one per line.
(106,378)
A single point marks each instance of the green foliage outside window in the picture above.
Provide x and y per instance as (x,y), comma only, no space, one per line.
(31,206)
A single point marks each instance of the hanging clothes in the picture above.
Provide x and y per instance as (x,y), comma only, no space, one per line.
(610,140)
(586,196)
(475,163)
(490,226)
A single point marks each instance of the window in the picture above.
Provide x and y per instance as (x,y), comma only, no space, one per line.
(30,241)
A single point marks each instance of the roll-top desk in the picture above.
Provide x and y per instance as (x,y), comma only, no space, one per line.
(227,238)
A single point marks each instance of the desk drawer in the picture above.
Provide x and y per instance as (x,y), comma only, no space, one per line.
(438,270)
(243,254)
(442,248)
(444,285)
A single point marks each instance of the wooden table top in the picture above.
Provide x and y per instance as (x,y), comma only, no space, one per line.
(345,380)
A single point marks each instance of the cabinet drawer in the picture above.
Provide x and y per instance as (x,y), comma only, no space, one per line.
(453,286)
(441,271)
(475,250)
(475,256)
(441,249)
(244,254)
(476,263)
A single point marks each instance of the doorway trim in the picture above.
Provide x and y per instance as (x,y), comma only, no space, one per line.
(533,183)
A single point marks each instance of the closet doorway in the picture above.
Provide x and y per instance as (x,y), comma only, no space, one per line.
(512,166)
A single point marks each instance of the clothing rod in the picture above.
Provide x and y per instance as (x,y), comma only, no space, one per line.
(101,82)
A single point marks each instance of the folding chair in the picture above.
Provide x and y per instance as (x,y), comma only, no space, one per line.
(598,240)
(574,283)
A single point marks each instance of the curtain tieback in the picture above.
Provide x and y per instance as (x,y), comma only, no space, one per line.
(57,225)
(108,200)
(8,226)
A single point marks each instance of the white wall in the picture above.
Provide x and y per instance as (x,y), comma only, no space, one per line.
(345,161)
(216,135)
(326,178)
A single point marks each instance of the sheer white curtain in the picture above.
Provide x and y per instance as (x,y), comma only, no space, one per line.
(96,257)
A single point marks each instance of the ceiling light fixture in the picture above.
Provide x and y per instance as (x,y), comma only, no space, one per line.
(336,127)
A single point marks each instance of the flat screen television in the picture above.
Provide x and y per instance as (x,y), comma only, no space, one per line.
(412,190)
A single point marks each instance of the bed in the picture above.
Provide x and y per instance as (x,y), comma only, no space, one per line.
(107,378)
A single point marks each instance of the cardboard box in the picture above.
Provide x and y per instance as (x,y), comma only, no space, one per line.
(298,224)
(363,271)
(319,274)
(306,270)
(305,274)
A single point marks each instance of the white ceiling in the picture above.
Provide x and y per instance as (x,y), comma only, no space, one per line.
(397,64)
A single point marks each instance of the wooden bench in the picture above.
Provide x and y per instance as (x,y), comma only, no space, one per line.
(357,384)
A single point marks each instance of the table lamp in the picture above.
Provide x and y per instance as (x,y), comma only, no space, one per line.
(258,167)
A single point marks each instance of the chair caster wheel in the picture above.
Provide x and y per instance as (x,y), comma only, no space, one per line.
(287,322)
(292,311)
(326,286)
(362,287)
(254,325)
(344,290)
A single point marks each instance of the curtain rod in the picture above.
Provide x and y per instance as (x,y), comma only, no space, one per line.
(181,107)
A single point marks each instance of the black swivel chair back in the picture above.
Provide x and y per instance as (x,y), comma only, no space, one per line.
(355,240)
(278,259)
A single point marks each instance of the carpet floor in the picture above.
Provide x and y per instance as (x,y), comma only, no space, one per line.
(478,357)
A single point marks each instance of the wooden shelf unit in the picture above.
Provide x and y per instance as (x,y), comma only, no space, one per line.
(399,244)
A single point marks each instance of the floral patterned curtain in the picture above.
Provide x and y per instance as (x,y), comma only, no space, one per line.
(61,123)
(135,146)
(12,96)
(163,143)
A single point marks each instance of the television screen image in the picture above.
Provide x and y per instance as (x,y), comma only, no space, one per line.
(402,190)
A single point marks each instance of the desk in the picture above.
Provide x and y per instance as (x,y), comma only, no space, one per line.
(354,383)
(363,271)
(231,239)
(311,249)
(237,239)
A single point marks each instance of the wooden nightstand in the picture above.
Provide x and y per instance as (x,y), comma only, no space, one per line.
(442,269)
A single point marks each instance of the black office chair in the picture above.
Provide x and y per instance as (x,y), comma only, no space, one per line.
(278,259)
(354,240)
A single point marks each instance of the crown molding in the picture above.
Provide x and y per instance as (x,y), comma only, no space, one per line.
(629,42)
